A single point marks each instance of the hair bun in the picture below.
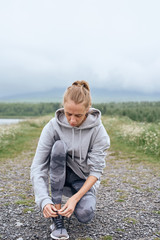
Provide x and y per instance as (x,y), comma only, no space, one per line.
(82,83)
(78,92)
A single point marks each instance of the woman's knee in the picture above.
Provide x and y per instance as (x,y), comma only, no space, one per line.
(59,149)
(84,215)
(85,209)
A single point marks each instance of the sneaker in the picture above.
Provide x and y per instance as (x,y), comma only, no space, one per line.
(52,227)
(58,229)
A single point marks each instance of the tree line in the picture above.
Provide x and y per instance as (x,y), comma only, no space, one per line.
(137,111)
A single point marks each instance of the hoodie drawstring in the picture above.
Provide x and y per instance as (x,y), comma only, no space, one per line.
(80,145)
(72,144)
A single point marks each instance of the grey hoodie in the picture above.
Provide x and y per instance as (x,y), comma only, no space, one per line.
(86,144)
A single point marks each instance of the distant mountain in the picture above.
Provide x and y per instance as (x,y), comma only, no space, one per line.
(98,95)
(54,95)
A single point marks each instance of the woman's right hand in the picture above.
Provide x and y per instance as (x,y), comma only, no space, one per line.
(49,211)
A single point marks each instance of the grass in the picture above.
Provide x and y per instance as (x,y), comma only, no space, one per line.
(130,220)
(26,210)
(136,140)
(131,139)
(105,182)
(120,200)
(107,238)
(26,201)
(15,139)
(23,196)
(157,212)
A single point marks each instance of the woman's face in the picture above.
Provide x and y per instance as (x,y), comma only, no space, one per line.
(75,113)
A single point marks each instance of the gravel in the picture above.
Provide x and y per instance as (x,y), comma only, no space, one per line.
(128,203)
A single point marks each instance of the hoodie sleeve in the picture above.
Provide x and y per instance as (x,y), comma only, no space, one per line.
(40,166)
(97,153)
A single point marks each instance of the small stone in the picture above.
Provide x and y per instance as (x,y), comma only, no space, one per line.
(18,224)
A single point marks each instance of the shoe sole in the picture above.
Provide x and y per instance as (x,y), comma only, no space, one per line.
(58,238)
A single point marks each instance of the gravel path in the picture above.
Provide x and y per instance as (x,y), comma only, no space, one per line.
(128,203)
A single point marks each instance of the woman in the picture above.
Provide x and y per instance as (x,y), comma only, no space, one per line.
(71,151)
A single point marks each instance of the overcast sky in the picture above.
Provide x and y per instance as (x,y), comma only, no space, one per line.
(114,44)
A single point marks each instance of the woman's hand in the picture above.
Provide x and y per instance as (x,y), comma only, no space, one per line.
(68,208)
(49,211)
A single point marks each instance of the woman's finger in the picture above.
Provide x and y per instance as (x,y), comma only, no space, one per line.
(63,208)
(50,211)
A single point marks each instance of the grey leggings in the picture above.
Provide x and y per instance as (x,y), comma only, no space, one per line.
(61,175)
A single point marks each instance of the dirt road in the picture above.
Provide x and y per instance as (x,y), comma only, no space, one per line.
(128,203)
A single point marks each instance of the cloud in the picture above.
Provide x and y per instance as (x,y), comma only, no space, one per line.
(113,44)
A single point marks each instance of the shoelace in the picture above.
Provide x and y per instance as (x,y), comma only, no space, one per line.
(59,222)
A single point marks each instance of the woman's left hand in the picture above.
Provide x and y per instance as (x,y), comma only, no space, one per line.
(68,208)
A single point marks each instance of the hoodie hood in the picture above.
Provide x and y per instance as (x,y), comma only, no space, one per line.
(93,119)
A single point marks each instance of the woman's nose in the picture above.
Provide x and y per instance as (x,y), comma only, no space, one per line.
(72,120)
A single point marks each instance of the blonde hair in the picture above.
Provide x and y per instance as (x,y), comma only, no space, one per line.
(79,92)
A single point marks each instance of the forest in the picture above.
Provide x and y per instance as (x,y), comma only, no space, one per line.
(137,111)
